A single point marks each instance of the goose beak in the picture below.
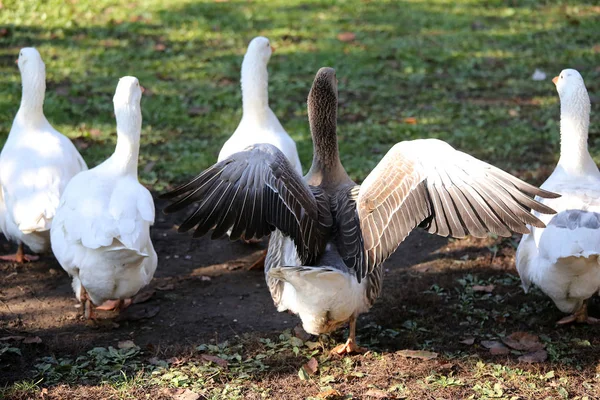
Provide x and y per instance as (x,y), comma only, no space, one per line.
(555,79)
(272,49)
(17,61)
(143,89)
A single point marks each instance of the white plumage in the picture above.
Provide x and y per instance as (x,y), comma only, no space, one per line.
(259,124)
(36,164)
(101,231)
(562,259)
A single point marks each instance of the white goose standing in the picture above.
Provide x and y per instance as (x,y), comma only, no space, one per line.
(259,124)
(563,258)
(101,232)
(36,164)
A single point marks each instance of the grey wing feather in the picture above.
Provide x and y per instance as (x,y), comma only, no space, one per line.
(254,192)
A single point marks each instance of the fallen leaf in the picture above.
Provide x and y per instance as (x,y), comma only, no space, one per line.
(420,354)
(138,312)
(143,296)
(126,344)
(214,359)
(535,357)
(187,395)
(496,348)
(311,345)
(487,288)
(468,341)
(379,394)
(302,374)
(160,47)
(346,36)
(12,338)
(523,341)
(44,393)
(32,340)
(311,366)
(410,121)
(165,287)
(300,333)
(330,394)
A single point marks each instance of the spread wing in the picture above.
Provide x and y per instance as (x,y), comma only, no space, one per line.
(252,193)
(448,192)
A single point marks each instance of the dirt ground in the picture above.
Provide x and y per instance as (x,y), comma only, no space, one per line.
(202,292)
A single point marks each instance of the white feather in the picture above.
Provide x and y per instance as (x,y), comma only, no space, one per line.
(101,231)
(36,163)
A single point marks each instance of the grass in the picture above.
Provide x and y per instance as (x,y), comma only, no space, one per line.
(462,70)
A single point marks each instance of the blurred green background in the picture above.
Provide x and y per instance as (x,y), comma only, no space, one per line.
(462,70)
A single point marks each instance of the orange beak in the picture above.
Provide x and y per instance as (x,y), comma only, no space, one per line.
(142,88)
(555,79)
(17,61)
(272,49)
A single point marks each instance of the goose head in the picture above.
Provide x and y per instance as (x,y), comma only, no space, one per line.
(30,62)
(259,51)
(128,93)
(571,89)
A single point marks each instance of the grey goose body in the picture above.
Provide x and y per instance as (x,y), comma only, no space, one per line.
(332,236)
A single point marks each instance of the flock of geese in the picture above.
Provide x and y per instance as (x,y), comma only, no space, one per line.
(329,236)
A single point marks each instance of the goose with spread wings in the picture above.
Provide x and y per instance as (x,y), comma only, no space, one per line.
(330,236)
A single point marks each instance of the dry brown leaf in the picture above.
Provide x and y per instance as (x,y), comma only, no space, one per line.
(468,341)
(420,354)
(535,357)
(311,366)
(300,333)
(523,341)
(32,340)
(217,360)
(410,121)
(379,394)
(330,394)
(496,348)
(487,288)
(126,344)
(187,395)
(346,36)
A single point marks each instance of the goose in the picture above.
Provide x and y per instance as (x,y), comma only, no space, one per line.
(330,236)
(259,124)
(36,164)
(101,231)
(563,259)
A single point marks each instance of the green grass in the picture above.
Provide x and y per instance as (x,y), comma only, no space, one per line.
(462,70)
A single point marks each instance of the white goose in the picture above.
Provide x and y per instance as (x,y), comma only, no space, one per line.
(563,258)
(36,164)
(330,236)
(259,124)
(101,231)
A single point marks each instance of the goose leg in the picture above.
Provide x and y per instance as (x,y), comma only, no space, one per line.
(580,316)
(20,256)
(88,307)
(350,346)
